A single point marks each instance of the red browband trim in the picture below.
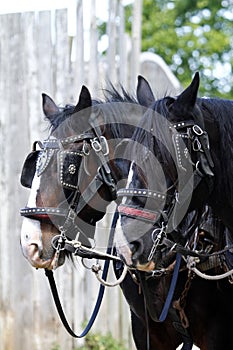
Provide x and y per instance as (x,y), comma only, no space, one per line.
(41,216)
(142,214)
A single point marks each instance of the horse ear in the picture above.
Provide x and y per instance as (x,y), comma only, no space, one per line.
(84,100)
(49,106)
(188,97)
(145,95)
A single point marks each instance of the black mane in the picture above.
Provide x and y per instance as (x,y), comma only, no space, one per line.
(115,108)
(213,114)
(110,96)
(219,117)
(113,95)
(56,119)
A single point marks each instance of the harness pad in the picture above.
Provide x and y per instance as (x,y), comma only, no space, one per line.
(29,169)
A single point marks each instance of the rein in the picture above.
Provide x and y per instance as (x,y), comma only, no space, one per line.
(200,144)
(49,275)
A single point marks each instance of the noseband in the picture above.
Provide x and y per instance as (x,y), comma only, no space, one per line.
(99,144)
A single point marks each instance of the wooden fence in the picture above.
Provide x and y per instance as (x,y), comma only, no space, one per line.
(38,54)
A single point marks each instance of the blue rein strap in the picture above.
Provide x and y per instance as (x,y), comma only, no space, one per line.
(49,274)
(187,340)
(186,337)
(172,287)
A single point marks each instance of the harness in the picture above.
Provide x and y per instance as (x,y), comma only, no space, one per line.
(38,161)
(198,142)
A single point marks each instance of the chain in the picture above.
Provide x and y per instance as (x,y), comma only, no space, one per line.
(187,286)
(58,244)
(157,237)
(180,304)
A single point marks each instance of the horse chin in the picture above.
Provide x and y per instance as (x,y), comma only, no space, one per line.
(150,266)
(35,258)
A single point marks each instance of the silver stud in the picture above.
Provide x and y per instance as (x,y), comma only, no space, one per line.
(72,169)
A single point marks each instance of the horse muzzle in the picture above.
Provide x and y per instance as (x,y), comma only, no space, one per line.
(38,254)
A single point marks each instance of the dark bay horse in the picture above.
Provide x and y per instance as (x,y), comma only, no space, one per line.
(74,154)
(77,168)
(182,160)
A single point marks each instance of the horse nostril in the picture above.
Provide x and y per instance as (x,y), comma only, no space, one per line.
(132,247)
(27,237)
(37,247)
(136,248)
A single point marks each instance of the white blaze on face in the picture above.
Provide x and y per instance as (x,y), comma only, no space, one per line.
(31,229)
(33,193)
(129,180)
(121,242)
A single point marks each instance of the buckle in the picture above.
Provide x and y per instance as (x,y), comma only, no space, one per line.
(95,144)
(100,144)
(197,130)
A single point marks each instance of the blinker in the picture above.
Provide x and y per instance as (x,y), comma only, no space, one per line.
(68,166)
(36,162)
(29,169)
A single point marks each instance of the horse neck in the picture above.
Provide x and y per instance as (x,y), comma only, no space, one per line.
(219,126)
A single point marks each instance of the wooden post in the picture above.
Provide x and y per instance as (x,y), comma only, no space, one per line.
(123,66)
(78,70)
(111,73)
(93,62)
(136,41)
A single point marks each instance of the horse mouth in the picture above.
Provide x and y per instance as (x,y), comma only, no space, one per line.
(150,266)
(128,256)
(36,260)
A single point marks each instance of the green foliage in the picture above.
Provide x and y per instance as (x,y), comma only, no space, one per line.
(191,35)
(97,341)
(55,347)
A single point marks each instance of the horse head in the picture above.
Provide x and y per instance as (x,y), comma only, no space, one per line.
(171,176)
(73,175)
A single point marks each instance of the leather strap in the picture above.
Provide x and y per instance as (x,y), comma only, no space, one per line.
(55,294)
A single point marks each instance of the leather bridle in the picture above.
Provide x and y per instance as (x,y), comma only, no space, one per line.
(99,145)
(196,141)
